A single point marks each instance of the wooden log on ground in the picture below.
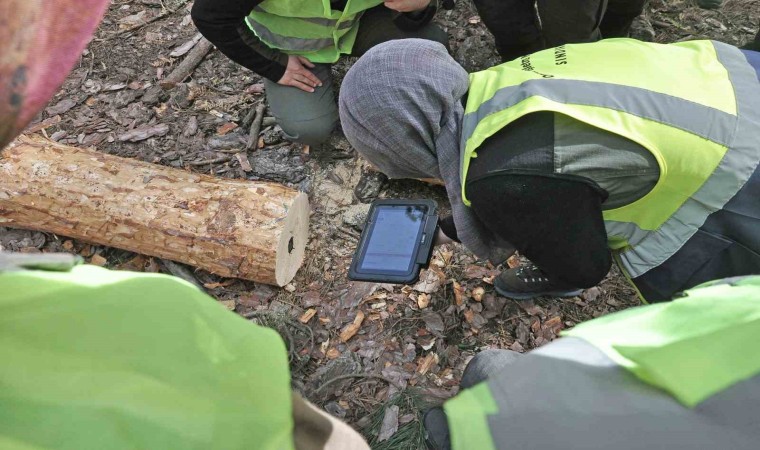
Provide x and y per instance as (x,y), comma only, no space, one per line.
(235,228)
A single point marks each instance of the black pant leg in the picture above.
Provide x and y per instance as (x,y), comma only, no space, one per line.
(570,21)
(376,26)
(514,26)
(619,16)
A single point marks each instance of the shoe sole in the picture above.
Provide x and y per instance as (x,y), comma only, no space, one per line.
(527,296)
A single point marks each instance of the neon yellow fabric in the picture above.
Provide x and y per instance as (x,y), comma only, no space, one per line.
(467,416)
(290,18)
(685,160)
(110,360)
(693,347)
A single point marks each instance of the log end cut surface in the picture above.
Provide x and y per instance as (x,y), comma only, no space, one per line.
(292,244)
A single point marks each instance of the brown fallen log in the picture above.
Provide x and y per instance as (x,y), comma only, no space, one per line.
(234,228)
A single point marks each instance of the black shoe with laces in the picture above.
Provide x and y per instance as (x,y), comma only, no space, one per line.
(527,282)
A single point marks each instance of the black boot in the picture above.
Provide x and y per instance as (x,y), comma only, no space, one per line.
(753,45)
(525,282)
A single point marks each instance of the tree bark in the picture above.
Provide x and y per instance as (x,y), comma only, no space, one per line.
(235,228)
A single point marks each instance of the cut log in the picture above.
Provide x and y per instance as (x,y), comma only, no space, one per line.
(235,228)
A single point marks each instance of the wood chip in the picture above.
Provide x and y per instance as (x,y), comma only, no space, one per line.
(477,294)
(98,260)
(307,316)
(44,124)
(144,132)
(458,293)
(225,128)
(218,285)
(245,164)
(423,300)
(333,353)
(351,329)
(426,363)
(390,424)
(68,245)
(186,47)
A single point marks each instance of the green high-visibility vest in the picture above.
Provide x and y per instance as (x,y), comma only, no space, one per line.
(678,375)
(693,105)
(309,27)
(98,359)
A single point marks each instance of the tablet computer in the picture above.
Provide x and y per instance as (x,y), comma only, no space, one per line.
(397,241)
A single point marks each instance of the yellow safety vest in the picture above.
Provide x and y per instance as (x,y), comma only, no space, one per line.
(693,105)
(309,27)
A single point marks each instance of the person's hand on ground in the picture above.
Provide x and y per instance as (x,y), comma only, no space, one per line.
(297,74)
(406,5)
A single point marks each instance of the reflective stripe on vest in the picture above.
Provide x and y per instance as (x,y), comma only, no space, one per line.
(614,381)
(308,27)
(696,126)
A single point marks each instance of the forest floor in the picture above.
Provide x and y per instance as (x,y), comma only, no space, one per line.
(417,337)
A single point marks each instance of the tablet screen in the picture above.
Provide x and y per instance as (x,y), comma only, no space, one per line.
(393,239)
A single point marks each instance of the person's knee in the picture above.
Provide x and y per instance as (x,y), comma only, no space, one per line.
(312,131)
(486,364)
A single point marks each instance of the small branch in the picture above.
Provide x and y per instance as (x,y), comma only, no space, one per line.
(209,161)
(253,136)
(167,12)
(186,67)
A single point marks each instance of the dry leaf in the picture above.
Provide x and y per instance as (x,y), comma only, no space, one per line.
(333,353)
(446,255)
(430,281)
(513,261)
(351,329)
(98,260)
(426,363)
(225,128)
(423,300)
(468,315)
(306,317)
(554,324)
(458,293)
(477,294)
(68,245)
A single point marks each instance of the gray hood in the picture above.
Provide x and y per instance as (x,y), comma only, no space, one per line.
(400,108)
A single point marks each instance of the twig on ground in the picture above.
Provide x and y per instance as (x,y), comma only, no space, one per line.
(167,12)
(209,161)
(186,67)
(253,136)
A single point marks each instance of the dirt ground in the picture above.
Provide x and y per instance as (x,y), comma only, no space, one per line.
(418,337)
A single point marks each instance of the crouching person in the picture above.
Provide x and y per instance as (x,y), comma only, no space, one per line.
(676,375)
(651,162)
